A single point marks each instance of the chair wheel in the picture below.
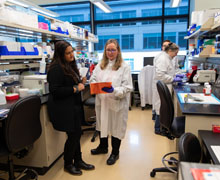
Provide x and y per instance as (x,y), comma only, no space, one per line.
(152,173)
(142,108)
(170,163)
(93,140)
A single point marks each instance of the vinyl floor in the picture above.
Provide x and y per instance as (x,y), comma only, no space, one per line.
(140,151)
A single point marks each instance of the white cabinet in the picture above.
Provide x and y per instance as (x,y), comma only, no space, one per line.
(47,148)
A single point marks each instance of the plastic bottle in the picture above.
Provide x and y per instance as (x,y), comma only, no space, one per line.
(208,90)
(2,96)
(42,69)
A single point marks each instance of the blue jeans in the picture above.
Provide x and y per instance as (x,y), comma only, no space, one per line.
(157,123)
(153,114)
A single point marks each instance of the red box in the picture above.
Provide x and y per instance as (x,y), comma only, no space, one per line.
(12,96)
(216,128)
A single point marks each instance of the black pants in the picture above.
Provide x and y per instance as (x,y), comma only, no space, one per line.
(115,144)
(72,148)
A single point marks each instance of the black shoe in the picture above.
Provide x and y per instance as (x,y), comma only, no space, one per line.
(153,117)
(157,132)
(83,165)
(99,150)
(112,159)
(72,170)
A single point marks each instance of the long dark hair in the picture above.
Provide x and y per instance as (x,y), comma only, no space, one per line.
(69,69)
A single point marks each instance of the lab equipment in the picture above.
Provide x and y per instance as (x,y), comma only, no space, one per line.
(36,82)
(204,76)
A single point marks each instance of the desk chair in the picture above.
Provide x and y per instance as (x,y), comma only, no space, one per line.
(90,102)
(189,151)
(21,129)
(175,126)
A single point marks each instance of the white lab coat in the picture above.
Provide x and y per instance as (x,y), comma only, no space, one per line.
(175,62)
(163,71)
(112,108)
(145,79)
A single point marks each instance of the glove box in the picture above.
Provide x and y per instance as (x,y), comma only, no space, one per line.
(36,82)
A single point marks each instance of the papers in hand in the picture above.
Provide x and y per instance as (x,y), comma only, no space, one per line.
(83,71)
(96,88)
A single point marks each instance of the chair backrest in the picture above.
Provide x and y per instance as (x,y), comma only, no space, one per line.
(22,126)
(189,148)
(166,107)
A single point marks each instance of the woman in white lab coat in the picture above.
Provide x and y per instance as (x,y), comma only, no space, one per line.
(164,71)
(112,107)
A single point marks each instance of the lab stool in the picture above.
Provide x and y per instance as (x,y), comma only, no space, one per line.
(90,103)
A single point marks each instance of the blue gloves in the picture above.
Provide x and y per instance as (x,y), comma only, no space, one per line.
(177,79)
(180,75)
(108,89)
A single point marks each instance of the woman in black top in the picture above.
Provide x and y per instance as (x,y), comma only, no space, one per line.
(65,104)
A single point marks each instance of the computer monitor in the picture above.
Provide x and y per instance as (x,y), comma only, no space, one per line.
(181,60)
(148,61)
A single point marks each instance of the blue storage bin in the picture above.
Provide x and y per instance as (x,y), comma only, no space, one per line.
(5,52)
(31,53)
(59,30)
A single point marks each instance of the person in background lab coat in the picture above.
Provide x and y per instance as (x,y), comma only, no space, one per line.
(112,107)
(175,65)
(165,43)
(164,71)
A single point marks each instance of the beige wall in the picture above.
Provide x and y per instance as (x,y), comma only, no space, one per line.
(206,4)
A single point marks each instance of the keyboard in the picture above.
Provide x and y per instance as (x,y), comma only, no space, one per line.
(216,150)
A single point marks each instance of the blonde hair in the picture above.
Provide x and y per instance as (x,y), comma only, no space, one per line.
(119,60)
(172,47)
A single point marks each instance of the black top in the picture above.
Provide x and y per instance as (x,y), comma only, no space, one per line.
(200,109)
(64,106)
(209,138)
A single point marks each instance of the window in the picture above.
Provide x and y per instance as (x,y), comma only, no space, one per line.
(104,39)
(127,41)
(182,42)
(152,41)
(151,22)
(182,9)
(176,35)
(132,9)
(130,61)
(151,12)
(128,14)
(73,18)
(72,12)
(171,36)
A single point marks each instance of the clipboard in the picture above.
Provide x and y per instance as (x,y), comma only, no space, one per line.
(96,88)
